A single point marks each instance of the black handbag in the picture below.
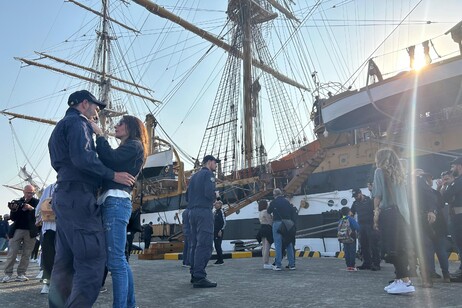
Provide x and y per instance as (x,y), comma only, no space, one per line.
(134,223)
(286,226)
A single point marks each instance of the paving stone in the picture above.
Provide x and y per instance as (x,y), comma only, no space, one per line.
(317,282)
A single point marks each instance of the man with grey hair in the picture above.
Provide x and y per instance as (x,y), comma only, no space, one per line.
(281,209)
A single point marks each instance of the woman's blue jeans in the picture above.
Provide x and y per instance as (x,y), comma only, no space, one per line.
(116,213)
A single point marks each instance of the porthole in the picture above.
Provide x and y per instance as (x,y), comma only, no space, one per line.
(344,202)
(330,203)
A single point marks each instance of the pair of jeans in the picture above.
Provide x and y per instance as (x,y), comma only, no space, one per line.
(116,213)
(350,254)
(277,237)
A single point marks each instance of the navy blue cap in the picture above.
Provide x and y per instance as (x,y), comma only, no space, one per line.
(210,157)
(355,192)
(79,96)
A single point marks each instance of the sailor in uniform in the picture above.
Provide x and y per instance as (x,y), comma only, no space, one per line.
(201,198)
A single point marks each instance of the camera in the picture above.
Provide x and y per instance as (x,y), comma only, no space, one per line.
(16,204)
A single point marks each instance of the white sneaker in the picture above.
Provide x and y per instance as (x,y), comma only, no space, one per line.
(40,275)
(7,279)
(45,289)
(267,266)
(389,286)
(22,278)
(401,287)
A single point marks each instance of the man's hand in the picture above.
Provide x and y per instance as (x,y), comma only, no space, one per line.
(124,178)
(431,217)
(27,207)
(220,233)
(96,129)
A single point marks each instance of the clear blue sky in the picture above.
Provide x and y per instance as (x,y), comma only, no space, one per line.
(29,25)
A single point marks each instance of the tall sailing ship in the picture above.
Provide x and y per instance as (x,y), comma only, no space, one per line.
(416,112)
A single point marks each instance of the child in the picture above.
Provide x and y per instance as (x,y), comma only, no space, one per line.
(346,233)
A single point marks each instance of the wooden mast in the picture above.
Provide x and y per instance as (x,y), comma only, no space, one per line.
(247,63)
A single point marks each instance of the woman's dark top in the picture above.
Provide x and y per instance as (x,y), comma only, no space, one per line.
(128,157)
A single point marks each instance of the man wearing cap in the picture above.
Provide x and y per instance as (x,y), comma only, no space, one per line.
(368,237)
(452,194)
(80,248)
(201,198)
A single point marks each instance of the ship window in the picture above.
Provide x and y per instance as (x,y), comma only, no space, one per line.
(344,202)
(330,203)
(237,212)
(437,143)
(343,159)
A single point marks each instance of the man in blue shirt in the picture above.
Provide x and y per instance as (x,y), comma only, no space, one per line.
(201,197)
(80,243)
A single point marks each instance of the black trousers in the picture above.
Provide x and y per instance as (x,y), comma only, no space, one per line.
(217,242)
(369,240)
(128,245)
(48,253)
(395,236)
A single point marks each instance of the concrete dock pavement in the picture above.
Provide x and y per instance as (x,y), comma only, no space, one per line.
(317,282)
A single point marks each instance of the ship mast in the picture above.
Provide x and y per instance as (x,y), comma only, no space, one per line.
(100,72)
(234,129)
(247,66)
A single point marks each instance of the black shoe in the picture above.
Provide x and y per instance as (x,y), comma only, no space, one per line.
(193,279)
(219,262)
(446,277)
(375,268)
(436,275)
(364,267)
(204,283)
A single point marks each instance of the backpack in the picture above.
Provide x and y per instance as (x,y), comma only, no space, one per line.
(344,231)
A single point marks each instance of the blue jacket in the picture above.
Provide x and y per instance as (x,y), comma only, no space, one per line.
(201,190)
(353,223)
(73,153)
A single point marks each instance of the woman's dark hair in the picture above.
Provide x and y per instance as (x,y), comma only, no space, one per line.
(137,130)
(262,205)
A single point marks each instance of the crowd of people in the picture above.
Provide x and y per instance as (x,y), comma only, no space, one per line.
(84,231)
(405,221)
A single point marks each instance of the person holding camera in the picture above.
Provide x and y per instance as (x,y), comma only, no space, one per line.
(22,213)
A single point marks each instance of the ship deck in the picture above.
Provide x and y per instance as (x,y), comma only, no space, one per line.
(317,282)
